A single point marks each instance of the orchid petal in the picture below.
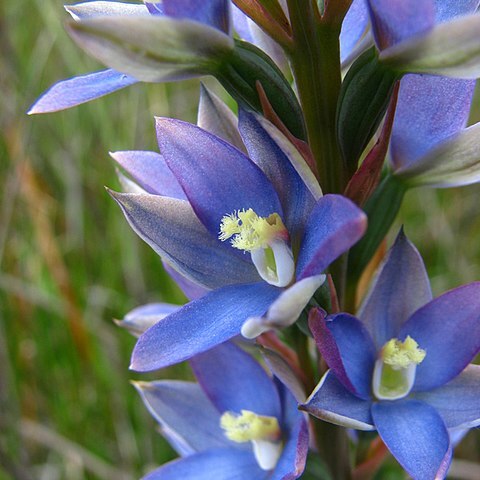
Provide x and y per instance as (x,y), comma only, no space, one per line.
(294,195)
(448,9)
(220,464)
(183,408)
(455,162)
(401,287)
(152,48)
(77,90)
(442,106)
(458,401)
(448,329)
(296,159)
(394,21)
(334,225)
(140,319)
(201,325)
(210,171)
(214,13)
(127,184)
(282,370)
(215,117)
(354,27)
(348,350)
(150,171)
(268,45)
(190,289)
(294,455)
(240,384)
(415,434)
(241,25)
(451,49)
(286,309)
(155,8)
(171,228)
(332,402)
(83,10)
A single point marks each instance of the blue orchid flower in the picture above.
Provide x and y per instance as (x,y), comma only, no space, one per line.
(213,16)
(254,233)
(429,141)
(237,422)
(403,367)
(215,22)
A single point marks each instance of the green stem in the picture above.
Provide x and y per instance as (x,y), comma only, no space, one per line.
(332,442)
(315,60)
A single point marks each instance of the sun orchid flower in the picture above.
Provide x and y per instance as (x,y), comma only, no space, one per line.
(430,144)
(212,21)
(403,368)
(252,232)
(211,18)
(237,422)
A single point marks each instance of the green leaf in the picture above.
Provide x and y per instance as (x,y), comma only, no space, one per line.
(363,101)
(451,49)
(246,66)
(381,208)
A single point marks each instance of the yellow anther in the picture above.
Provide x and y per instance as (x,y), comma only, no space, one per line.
(400,355)
(249,426)
(249,232)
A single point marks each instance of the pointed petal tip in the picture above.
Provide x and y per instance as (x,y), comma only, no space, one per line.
(114,194)
(141,385)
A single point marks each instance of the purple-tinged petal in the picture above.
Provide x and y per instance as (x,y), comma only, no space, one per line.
(152,48)
(77,90)
(155,8)
(430,110)
(396,20)
(140,319)
(332,402)
(286,309)
(241,24)
(171,228)
(334,225)
(294,156)
(190,289)
(458,401)
(415,434)
(448,9)
(201,325)
(184,409)
(215,13)
(294,455)
(268,45)
(96,9)
(215,117)
(234,381)
(127,184)
(211,171)
(448,329)
(218,464)
(150,171)
(282,370)
(453,163)
(354,26)
(296,199)
(399,289)
(347,348)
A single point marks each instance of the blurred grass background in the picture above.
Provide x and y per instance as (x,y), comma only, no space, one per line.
(69,263)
